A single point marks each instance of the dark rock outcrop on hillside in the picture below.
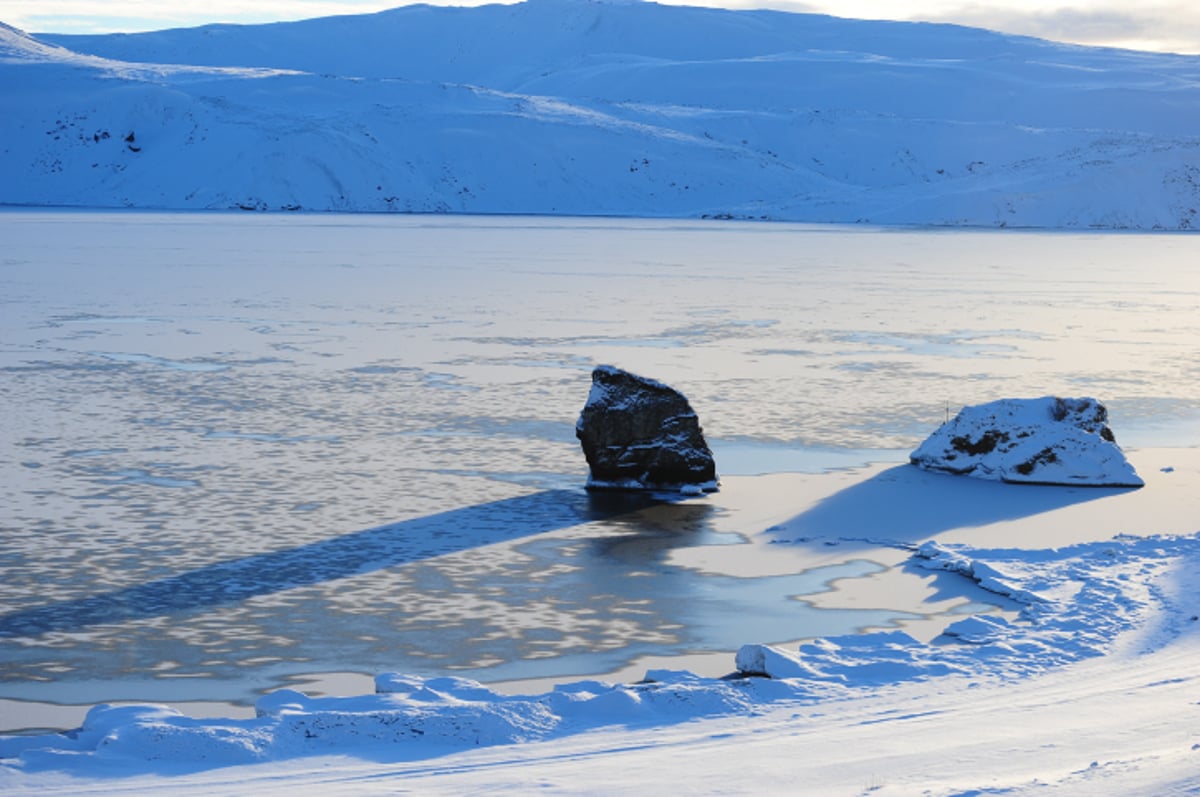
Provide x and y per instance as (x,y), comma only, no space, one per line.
(639,434)
(1047,440)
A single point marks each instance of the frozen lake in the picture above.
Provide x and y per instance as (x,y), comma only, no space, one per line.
(241,451)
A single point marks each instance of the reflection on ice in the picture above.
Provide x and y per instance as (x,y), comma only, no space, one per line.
(234,581)
(137,476)
(953,344)
(181,365)
(269,438)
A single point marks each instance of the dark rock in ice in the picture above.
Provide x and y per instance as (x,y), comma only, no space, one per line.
(1033,441)
(638,434)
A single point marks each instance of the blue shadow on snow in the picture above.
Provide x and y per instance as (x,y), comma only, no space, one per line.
(907,504)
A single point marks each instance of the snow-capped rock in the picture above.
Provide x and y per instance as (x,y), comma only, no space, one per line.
(1045,440)
(639,434)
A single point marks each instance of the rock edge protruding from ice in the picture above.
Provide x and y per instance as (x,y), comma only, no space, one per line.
(639,434)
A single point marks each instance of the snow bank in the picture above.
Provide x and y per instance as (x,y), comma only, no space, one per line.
(1076,602)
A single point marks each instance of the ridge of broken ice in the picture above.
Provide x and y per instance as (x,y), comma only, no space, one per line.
(1076,602)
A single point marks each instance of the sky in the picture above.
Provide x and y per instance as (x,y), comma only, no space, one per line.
(1163,25)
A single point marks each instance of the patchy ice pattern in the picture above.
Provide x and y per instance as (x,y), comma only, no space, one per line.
(1076,601)
(1047,440)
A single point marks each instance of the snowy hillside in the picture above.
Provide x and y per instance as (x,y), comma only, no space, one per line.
(578,107)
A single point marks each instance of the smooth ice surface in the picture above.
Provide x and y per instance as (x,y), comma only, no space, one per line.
(244,449)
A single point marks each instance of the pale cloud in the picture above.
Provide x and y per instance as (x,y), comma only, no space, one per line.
(1173,27)
(1167,25)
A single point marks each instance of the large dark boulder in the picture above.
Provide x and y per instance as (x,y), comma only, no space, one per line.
(1034,441)
(639,434)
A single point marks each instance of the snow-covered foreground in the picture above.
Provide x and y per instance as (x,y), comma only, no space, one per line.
(1090,689)
(598,108)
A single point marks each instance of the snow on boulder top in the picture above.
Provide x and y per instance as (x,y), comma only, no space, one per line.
(1045,440)
(639,434)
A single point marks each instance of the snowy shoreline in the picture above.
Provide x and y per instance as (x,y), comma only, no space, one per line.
(583,217)
(1103,580)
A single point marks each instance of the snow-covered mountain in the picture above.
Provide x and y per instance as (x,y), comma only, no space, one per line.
(583,107)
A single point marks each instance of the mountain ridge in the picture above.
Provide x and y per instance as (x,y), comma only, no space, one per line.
(585,108)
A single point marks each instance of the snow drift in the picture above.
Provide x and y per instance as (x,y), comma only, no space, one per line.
(579,107)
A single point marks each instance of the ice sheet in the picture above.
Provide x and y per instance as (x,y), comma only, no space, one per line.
(189,395)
